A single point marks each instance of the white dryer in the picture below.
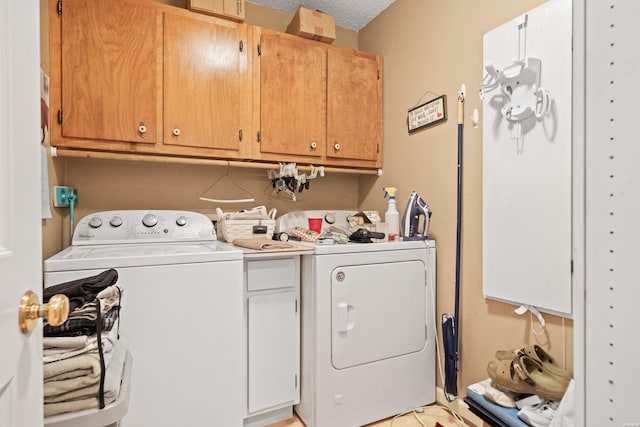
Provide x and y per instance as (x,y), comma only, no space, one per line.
(181,311)
(368,327)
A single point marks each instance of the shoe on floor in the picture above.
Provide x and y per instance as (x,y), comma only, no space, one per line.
(539,415)
(527,376)
(537,353)
(505,399)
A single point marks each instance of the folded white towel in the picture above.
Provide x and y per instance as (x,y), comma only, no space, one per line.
(65,342)
(86,397)
(53,354)
(70,406)
(83,361)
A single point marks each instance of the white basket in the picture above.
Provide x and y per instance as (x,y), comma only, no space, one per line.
(230,229)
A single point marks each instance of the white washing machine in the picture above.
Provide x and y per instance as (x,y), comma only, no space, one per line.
(181,311)
(368,327)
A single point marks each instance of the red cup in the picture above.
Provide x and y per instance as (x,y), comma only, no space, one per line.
(315,224)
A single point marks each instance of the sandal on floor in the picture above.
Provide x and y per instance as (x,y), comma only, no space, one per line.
(537,353)
(526,375)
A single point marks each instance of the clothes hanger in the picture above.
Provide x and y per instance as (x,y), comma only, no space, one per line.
(280,188)
(231,184)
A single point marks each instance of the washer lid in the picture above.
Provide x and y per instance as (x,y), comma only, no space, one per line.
(138,255)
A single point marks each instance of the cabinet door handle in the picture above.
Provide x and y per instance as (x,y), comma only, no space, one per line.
(345,320)
(336,146)
(142,129)
(176,132)
(313,145)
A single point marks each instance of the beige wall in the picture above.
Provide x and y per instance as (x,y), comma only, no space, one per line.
(433,47)
(428,46)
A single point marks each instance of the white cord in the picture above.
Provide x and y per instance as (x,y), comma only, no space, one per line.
(564,344)
(429,410)
(458,418)
(533,329)
(437,340)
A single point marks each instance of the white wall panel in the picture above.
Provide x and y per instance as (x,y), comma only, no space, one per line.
(527,164)
(612,213)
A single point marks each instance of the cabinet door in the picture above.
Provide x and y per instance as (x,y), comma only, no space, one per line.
(354,106)
(111,58)
(207,97)
(292,95)
(272,350)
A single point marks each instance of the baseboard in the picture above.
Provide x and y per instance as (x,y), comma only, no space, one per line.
(269,417)
(460,407)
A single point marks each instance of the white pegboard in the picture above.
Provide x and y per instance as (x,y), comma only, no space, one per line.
(612,214)
(527,167)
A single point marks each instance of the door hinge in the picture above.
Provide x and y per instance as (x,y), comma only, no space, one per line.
(59,117)
(295,380)
(259,49)
(378,148)
(241,47)
(258,136)
(296,309)
(378,73)
(59,7)
(571,266)
(240,134)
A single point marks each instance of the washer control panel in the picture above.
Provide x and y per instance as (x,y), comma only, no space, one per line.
(135,226)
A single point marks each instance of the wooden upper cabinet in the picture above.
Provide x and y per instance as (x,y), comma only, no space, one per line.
(111,55)
(142,77)
(207,86)
(292,96)
(317,102)
(354,106)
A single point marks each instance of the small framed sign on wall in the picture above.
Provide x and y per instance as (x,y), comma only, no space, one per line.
(427,114)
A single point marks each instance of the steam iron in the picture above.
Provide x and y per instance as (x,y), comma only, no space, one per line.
(415,220)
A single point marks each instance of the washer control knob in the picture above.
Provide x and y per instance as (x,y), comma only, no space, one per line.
(181,221)
(330,218)
(149,220)
(116,221)
(95,222)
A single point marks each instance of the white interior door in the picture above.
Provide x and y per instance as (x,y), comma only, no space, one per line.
(20,228)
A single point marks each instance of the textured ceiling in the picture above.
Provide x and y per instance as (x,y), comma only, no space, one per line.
(349,14)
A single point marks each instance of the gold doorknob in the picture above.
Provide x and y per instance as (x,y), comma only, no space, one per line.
(56,311)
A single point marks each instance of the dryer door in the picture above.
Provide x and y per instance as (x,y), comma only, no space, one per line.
(378,312)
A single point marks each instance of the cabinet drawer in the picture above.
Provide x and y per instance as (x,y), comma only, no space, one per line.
(271,274)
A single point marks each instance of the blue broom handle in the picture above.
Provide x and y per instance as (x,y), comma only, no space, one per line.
(458,225)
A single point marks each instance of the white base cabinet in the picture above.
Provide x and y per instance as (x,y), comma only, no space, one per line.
(271,337)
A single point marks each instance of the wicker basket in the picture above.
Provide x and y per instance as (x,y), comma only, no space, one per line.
(230,229)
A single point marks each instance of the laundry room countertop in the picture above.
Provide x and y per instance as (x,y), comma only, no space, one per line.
(250,247)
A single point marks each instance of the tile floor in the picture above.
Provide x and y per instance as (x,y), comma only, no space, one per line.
(429,417)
